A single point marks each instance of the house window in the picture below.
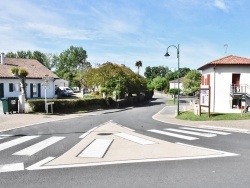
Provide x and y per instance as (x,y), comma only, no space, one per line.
(236,103)
(35,90)
(17,87)
(1,90)
(11,87)
(14,87)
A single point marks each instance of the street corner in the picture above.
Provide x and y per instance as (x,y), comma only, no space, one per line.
(111,143)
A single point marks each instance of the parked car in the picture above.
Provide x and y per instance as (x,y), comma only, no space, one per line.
(75,89)
(66,91)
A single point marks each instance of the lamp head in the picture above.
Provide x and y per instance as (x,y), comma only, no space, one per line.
(167,54)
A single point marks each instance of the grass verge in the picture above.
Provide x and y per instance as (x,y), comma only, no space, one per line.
(213,116)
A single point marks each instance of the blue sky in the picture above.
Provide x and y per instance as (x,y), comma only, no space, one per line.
(125,31)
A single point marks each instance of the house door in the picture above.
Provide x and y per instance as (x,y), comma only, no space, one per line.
(236,82)
(236,79)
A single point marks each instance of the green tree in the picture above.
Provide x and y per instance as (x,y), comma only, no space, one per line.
(174,75)
(51,60)
(11,55)
(160,83)
(192,82)
(22,54)
(152,72)
(21,74)
(112,77)
(138,64)
(71,62)
(39,56)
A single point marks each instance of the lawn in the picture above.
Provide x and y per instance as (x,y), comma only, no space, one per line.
(213,116)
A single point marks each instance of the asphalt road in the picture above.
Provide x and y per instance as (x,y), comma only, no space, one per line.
(207,171)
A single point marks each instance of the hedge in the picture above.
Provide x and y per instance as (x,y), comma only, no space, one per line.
(67,106)
(75,105)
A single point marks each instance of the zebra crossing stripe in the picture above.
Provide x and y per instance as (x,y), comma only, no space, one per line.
(11,167)
(208,131)
(97,148)
(39,146)
(173,134)
(191,132)
(2,136)
(135,139)
(224,128)
(15,142)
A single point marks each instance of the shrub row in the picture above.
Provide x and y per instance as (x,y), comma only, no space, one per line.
(67,106)
(74,105)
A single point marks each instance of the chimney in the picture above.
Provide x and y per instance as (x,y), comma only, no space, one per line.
(2,58)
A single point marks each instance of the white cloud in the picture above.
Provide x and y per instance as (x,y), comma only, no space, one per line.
(52,31)
(220,4)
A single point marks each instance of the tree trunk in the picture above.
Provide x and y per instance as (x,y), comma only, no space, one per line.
(23,88)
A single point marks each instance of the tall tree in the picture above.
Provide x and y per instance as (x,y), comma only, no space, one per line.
(138,64)
(11,55)
(71,62)
(51,60)
(39,56)
(152,72)
(21,74)
(114,77)
(192,81)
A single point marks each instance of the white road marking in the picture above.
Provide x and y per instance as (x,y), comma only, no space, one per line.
(208,131)
(129,129)
(191,132)
(135,139)
(39,165)
(2,136)
(173,134)
(39,146)
(213,150)
(97,148)
(87,133)
(224,128)
(15,142)
(11,167)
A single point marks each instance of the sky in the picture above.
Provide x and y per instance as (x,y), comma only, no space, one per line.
(126,31)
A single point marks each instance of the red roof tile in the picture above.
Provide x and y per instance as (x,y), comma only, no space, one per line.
(176,80)
(228,60)
(34,68)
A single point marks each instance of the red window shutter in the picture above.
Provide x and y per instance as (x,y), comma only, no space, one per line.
(208,79)
(202,80)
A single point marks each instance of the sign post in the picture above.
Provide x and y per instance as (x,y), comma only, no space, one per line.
(205,98)
(46,85)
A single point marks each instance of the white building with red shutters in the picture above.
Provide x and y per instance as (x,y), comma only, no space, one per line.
(229,80)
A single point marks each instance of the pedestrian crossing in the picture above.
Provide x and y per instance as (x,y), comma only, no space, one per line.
(39,146)
(185,132)
(31,149)
(97,148)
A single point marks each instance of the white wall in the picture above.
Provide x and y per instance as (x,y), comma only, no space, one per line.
(175,85)
(61,83)
(50,89)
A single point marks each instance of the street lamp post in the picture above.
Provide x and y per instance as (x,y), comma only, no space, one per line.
(178,57)
(174,86)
